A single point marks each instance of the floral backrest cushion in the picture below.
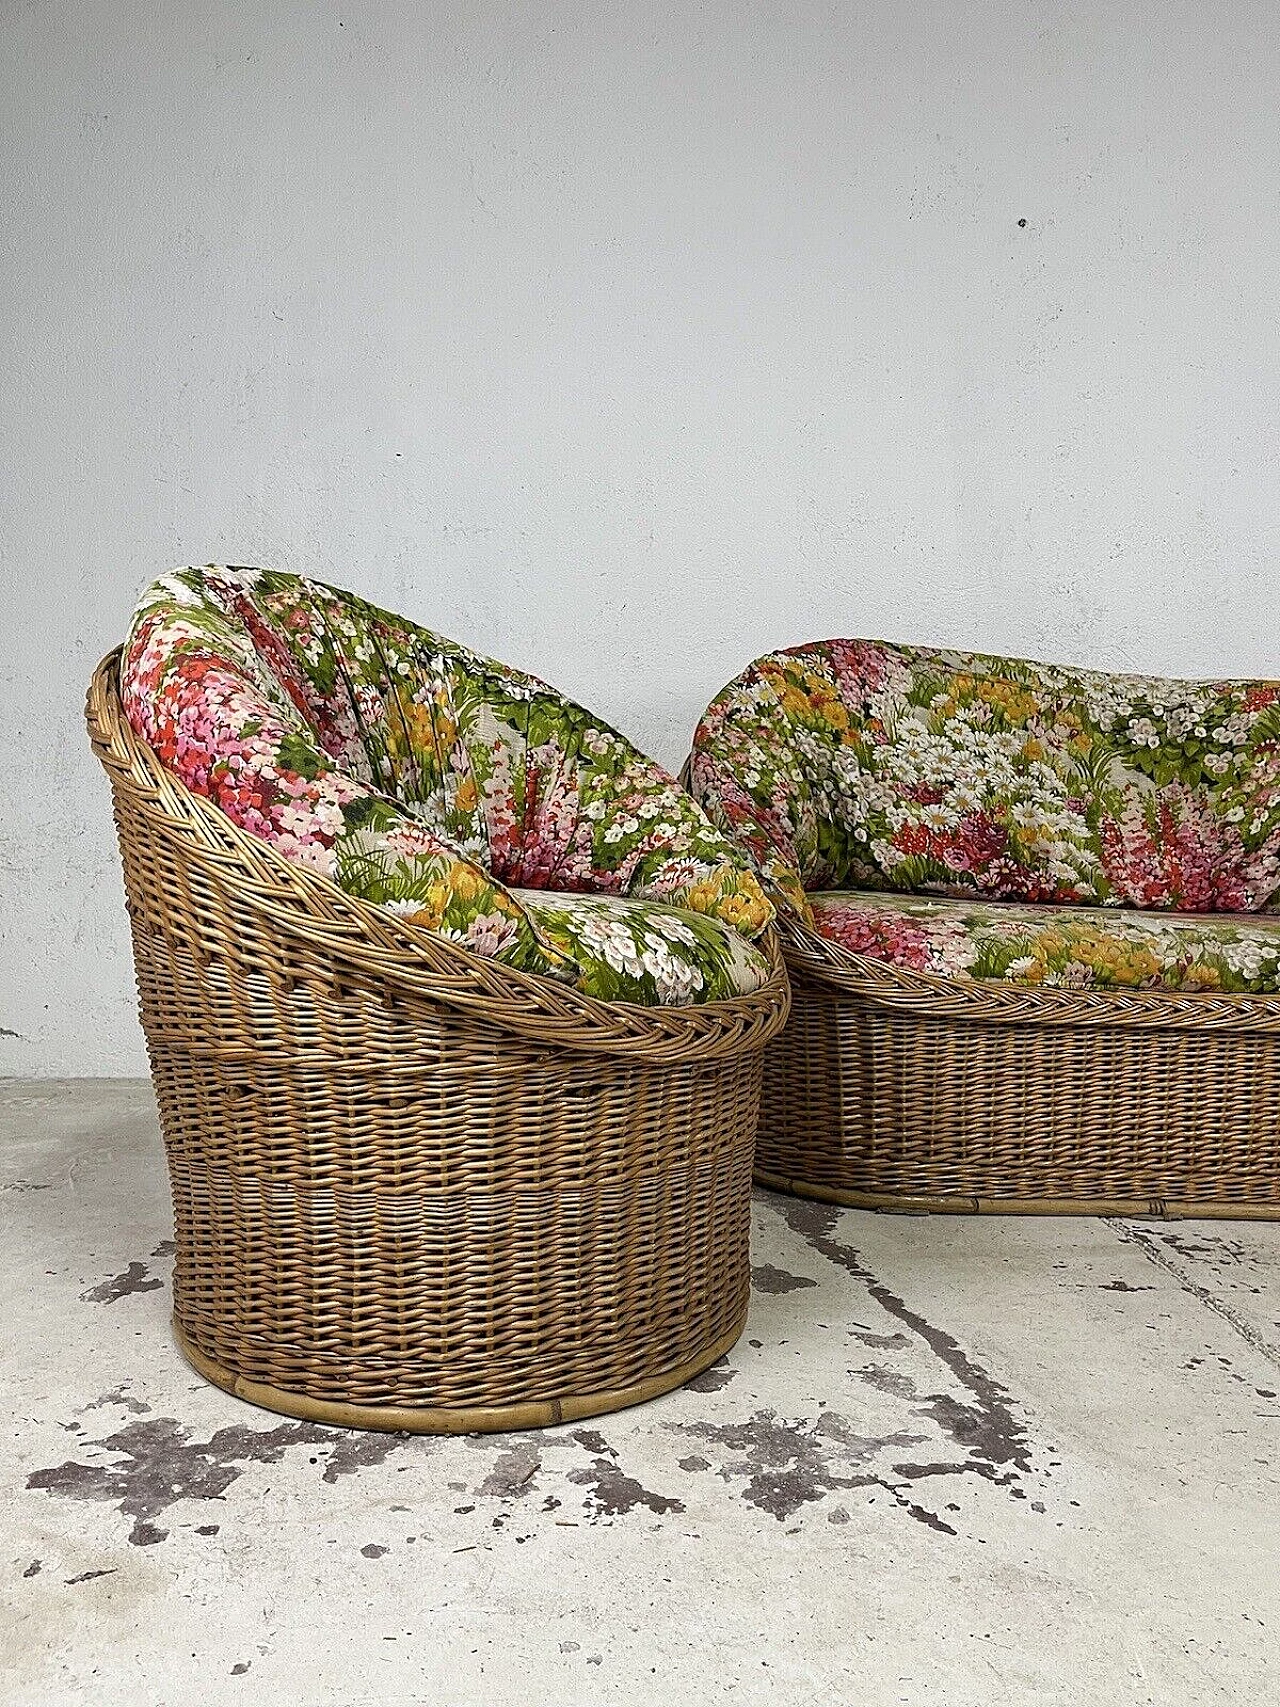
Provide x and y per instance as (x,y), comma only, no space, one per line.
(411,771)
(862,765)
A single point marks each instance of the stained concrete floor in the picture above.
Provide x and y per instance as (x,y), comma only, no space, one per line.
(949,1462)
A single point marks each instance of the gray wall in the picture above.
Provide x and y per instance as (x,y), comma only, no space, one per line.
(623,341)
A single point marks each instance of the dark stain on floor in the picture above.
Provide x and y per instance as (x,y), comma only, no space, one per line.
(159,1464)
(1156,1247)
(712,1380)
(1214,1250)
(891,1381)
(611,1492)
(986,1425)
(155,1464)
(883,1342)
(351,1450)
(123,1285)
(785,1464)
(766,1278)
(513,1473)
(118,1396)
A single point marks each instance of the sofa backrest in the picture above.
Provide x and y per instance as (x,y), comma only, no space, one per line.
(861,764)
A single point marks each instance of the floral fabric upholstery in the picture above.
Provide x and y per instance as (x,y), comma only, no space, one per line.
(635,951)
(465,796)
(853,764)
(1068,947)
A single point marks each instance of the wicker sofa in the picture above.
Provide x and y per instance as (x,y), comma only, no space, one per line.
(453,1010)
(1029,915)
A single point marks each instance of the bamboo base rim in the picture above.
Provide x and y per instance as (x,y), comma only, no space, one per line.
(481,1419)
(1132,1208)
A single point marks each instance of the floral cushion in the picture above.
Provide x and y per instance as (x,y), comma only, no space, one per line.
(858,764)
(636,951)
(422,777)
(1068,947)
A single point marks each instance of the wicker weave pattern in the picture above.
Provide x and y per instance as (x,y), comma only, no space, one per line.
(412,1181)
(898,1090)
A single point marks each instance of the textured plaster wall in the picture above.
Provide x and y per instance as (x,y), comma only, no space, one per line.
(623,341)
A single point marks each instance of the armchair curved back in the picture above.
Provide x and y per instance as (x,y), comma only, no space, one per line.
(413,772)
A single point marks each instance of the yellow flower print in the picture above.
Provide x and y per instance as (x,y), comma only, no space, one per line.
(747,910)
(465,799)
(421,730)
(1141,966)
(703,897)
(1014,703)
(1201,977)
(467,883)
(786,885)
(410,727)
(431,915)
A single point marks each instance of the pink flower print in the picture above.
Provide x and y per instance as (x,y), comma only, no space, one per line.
(1177,854)
(488,934)
(860,667)
(879,935)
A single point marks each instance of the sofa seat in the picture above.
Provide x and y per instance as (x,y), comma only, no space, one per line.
(1083,948)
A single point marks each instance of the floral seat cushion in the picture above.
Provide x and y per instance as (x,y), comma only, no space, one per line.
(859,764)
(638,951)
(458,793)
(1063,947)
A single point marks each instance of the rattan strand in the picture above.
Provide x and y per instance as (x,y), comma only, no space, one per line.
(891,1089)
(413,1187)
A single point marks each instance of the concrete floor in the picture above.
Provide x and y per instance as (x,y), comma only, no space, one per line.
(950,1462)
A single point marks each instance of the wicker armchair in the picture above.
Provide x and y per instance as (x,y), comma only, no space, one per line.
(1028,925)
(415,1187)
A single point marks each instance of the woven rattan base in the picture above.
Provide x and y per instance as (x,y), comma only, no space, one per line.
(895,1090)
(480,1419)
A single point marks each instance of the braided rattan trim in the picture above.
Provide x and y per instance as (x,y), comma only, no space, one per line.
(304,905)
